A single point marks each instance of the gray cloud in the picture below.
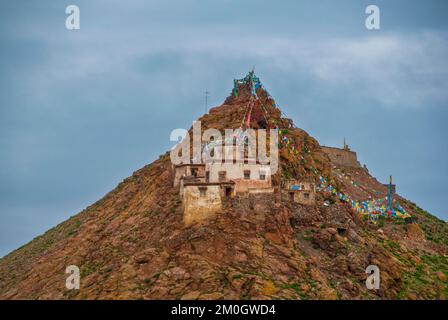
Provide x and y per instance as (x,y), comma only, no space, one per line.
(79,111)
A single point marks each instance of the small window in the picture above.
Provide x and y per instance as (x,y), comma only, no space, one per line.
(194,172)
(306,195)
(246,174)
(291,196)
(207,176)
(262,175)
(222,175)
(202,191)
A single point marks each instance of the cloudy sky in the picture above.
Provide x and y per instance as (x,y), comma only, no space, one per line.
(81,110)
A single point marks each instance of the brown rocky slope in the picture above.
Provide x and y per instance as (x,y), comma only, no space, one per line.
(132,244)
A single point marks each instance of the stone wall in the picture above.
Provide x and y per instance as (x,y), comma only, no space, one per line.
(304,197)
(197,206)
(256,191)
(342,157)
(242,186)
(303,192)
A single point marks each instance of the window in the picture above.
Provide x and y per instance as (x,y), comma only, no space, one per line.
(291,196)
(246,174)
(207,176)
(262,175)
(222,175)
(202,191)
(306,195)
(194,172)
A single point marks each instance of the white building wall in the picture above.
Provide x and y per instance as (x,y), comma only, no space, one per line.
(235,171)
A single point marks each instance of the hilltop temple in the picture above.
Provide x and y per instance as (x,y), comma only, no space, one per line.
(206,187)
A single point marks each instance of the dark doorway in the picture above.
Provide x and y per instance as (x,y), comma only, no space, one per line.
(342,232)
(262,124)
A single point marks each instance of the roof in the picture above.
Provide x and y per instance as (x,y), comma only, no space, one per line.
(189,164)
(231,182)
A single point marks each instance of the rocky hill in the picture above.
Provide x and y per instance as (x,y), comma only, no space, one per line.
(133,244)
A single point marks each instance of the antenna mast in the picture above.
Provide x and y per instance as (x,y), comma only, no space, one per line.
(206,93)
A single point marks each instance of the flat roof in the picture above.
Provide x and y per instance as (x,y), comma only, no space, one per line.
(189,164)
(208,183)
